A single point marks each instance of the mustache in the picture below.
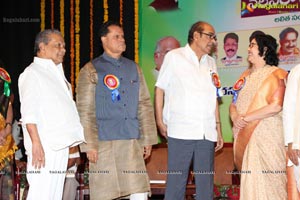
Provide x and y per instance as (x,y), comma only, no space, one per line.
(289,47)
(230,50)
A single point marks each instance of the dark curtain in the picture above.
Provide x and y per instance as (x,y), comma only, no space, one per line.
(20,22)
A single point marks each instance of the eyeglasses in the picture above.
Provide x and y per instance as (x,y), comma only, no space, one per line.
(211,36)
(252,44)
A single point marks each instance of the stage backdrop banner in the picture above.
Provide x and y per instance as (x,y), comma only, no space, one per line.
(241,17)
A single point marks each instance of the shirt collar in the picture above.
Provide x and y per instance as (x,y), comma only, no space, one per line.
(191,52)
(45,62)
(232,58)
(111,59)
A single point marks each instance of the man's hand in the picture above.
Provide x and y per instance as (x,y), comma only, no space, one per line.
(162,128)
(220,143)
(293,155)
(92,155)
(147,151)
(38,155)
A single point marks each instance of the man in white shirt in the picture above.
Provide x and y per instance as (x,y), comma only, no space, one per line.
(291,118)
(187,112)
(50,120)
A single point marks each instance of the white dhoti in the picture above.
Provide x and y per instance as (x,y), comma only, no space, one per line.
(47,183)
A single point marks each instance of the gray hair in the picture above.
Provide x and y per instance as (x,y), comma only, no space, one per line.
(43,37)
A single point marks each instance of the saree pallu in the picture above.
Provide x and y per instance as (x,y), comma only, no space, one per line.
(259,151)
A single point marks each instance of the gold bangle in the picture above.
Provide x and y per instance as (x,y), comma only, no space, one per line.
(218,122)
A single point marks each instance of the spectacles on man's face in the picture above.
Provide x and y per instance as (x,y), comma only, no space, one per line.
(210,35)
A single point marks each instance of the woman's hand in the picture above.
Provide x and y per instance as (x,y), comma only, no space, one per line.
(240,122)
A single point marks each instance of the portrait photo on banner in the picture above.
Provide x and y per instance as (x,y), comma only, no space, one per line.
(233,46)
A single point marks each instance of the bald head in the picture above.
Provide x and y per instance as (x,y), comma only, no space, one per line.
(163,46)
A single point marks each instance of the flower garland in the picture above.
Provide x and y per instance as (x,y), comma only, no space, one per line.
(91,30)
(43,6)
(105,7)
(136,31)
(72,50)
(227,192)
(121,12)
(52,13)
(62,17)
(77,39)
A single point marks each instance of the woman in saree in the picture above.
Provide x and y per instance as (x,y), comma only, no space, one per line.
(7,144)
(259,151)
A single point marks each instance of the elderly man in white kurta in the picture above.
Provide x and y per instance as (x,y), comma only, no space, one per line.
(49,118)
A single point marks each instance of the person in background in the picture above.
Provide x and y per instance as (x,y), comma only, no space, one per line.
(7,144)
(288,43)
(231,44)
(49,117)
(163,46)
(259,152)
(187,112)
(118,119)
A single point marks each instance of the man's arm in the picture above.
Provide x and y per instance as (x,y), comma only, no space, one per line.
(38,155)
(85,100)
(220,141)
(30,99)
(146,117)
(159,103)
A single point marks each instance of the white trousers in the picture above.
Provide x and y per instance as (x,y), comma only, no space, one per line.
(48,182)
(139,196)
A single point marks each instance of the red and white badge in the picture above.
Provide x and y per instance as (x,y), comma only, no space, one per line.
(239,84)
(216,80)
(111,81)
(4,75)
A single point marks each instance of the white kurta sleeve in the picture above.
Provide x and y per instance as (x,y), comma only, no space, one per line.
(289,104)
